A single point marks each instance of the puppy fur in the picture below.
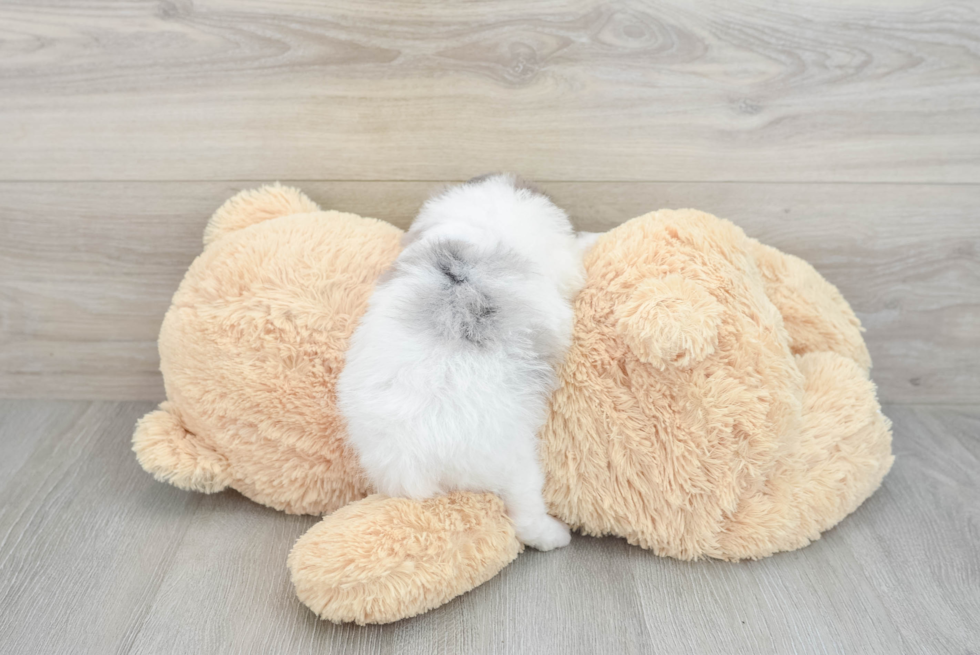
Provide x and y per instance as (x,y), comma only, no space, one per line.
(449,371)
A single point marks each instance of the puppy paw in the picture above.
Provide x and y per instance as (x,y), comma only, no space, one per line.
(546,533)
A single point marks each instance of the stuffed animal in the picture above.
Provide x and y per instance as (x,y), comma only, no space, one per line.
(715,403)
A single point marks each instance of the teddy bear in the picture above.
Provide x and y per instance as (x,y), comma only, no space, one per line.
(715,402)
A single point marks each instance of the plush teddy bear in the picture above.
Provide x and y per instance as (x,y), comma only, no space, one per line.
(715,402)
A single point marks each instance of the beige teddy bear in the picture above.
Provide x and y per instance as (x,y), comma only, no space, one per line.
(715,402)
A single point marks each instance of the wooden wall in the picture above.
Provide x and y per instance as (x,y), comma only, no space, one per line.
(847,133)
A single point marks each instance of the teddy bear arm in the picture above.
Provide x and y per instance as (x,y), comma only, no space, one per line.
(383,559)
(171,454)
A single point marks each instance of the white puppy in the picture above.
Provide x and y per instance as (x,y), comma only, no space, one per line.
(450,369)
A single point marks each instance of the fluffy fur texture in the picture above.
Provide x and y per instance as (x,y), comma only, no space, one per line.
(716,399)
(385,557)
(715,402)
(450,369)
(251,348)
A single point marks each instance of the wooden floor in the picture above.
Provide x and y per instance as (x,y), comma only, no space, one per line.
(97,557)
(847,133)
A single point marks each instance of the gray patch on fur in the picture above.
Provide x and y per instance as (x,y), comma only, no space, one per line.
(460,308)
(464,296)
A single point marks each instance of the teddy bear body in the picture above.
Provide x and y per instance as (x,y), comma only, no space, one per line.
(715,402)
(689,415)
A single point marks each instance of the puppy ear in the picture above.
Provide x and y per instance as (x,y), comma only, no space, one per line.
(670,321)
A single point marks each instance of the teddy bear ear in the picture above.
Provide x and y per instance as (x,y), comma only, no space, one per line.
(670,321)
(254,206)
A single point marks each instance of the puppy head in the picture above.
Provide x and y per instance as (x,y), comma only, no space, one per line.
(504,210)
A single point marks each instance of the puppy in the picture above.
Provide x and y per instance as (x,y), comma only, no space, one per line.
(450,369)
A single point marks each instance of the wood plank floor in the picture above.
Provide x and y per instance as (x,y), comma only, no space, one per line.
(97,557)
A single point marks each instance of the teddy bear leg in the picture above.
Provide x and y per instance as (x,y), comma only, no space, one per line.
(168,451)
(845,437)
(842,453)
(383,559)
(815,314)
(254,206)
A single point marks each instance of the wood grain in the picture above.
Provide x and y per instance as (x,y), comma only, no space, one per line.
(934,485)
(84,537)
(669,90)
(21,424)
(88,269)
(97,557)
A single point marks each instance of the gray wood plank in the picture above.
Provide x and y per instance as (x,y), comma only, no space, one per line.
(918,540)
(810,601)
(89,269)
(20,423)
(231,561)
(85,534)
(96,557)
(869,90)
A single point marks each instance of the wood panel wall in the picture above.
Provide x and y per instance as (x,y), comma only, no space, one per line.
(847,133)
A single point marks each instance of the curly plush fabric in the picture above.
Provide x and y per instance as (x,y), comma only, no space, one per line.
(391,557)
(251,348)
(715,403)
(692,418)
